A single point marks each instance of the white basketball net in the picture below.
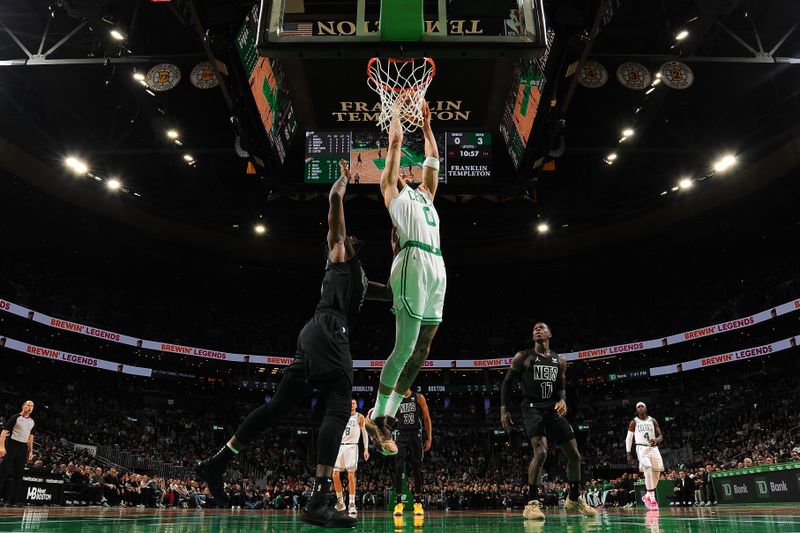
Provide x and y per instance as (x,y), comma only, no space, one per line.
(401,84)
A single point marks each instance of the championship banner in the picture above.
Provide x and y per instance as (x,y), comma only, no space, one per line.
(758,484)
(677,338)
(276,360)
(75,359)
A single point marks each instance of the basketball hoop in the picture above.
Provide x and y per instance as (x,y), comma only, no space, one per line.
(401,84)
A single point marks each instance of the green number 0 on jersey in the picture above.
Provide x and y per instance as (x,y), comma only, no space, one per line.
(429,216)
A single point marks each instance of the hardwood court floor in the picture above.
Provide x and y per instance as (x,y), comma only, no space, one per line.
(723,519)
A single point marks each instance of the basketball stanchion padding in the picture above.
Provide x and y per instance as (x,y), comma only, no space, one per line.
(402,20)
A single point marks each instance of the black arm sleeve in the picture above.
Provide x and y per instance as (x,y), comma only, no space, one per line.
(11,421)
(508,383)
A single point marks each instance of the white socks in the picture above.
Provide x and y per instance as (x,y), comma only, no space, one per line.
(387,405)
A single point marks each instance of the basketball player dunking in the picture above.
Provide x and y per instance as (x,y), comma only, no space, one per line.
(645,433)
(412,416)
(348,459)
(418,278)
(543,376)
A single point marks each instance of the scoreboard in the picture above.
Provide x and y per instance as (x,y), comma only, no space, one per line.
(469,154)
(324,150)
(464,157)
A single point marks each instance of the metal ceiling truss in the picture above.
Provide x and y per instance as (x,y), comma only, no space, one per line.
(757,56)
(43,59)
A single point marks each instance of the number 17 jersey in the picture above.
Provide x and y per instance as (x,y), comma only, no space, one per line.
(539,380)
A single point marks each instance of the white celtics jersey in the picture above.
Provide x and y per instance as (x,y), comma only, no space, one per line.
(352,432)
(415,217)
(645,430)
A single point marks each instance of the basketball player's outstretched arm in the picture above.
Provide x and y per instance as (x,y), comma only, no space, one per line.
(426,421)
(430,168)
(336,226)
(561,387)
(390,187)
(512,376)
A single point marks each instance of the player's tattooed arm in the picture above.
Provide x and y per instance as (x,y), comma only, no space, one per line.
(512,376)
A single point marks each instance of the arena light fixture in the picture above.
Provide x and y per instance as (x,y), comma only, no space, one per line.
(681,35)
(656,81)
(138,76)
(188,158)
(612,156)
(651,89)
(664,193)
(675,188)
(113,184)
(118,35)
(628,132)
(260,229)
(685,183)
(725,163)
(78,166)
(658,75)
(172,134)
(542,227)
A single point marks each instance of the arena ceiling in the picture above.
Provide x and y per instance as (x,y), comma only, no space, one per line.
(81,100)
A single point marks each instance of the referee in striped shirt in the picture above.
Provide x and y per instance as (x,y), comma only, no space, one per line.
(18,449)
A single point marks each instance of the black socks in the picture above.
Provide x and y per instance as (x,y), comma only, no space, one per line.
(574,490)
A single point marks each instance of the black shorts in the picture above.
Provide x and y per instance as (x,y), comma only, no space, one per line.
(323,347)
(544,422)
(409,445)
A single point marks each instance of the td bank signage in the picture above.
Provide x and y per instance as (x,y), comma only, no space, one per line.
(773,483)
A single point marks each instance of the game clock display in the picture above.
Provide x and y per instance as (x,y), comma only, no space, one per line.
(469,155)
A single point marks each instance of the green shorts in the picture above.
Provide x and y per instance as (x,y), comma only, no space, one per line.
(418,282)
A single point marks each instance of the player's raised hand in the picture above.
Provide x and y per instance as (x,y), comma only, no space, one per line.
(395,131)
(505,420)
(426,116)
(345,170)
(340,185)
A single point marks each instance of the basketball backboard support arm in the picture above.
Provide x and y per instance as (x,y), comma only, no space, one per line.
(272,42)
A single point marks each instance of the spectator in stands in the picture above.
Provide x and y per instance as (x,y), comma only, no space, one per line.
(683,491)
